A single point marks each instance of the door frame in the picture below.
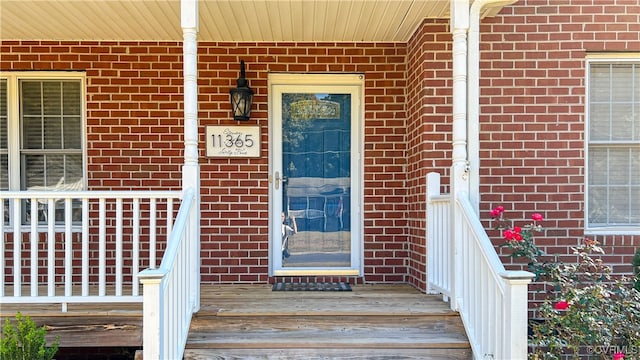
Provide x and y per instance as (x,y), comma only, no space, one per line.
(277,83)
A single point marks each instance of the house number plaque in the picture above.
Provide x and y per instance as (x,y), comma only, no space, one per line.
(233,141)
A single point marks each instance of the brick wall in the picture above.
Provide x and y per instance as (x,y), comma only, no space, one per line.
(429,106)
(532,113)
(134,135)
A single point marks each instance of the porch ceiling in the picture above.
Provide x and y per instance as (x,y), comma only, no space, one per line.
(220,20)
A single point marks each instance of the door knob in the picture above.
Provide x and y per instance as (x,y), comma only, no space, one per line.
(279,179)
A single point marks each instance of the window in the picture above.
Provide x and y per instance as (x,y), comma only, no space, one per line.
(613,146)
(41,133)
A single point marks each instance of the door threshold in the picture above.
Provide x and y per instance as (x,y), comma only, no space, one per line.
(317,272)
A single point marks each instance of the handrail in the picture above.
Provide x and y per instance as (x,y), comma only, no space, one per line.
(488,252)
(492,302)
(170,297)
(99,194)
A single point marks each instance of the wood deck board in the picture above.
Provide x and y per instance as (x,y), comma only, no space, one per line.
(73,310)
(314,354)
(79,330)
(370,300)
(319,332)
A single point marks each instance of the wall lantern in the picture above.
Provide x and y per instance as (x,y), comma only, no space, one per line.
(241,97)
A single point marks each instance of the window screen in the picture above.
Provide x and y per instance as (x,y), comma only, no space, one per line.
(613,179)
(50,125)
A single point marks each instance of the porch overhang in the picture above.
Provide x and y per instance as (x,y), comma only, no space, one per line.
(221,20)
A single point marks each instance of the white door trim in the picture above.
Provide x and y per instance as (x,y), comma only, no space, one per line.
(314,83)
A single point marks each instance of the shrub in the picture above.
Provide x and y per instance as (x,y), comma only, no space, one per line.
(25,341)
(589,312)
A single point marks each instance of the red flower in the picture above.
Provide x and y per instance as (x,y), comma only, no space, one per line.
(537,217)
(513,234)
(562,305)
(618,356)
(508,235)
(497,211)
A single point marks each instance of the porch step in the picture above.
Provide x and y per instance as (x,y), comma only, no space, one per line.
(371,322)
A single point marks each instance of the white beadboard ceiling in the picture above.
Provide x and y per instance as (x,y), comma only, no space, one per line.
(220,20)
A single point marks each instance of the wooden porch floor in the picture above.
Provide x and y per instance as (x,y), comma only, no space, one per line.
(240,300)
(251,321)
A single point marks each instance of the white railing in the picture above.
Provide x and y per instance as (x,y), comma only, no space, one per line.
(80,246)
(493,302)
(172,291)
(440,248)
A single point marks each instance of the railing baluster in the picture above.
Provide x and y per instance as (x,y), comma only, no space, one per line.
(102,277)
(51,247)
(118,247)
(85,246)
(169,216)
(152,234)
(17,239)
(34,250)
(135,246)
(498,311)
(68,252)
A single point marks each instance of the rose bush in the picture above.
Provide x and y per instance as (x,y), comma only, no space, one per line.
(588,313)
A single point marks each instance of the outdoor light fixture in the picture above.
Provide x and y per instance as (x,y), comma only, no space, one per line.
(241,97)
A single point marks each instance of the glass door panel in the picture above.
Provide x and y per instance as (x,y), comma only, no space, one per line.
(316,158)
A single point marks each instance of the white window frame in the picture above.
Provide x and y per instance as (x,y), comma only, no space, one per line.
(13,119)
(609,59)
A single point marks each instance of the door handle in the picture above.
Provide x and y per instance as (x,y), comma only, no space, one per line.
(279,179)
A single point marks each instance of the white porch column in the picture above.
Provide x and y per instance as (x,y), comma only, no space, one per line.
(459,26)
(459,175)
(189,24)
(191,169)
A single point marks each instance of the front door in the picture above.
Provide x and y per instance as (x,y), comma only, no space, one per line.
(315,181)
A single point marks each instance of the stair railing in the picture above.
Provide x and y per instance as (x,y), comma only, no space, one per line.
(171,293)
(492,302)
(439,248)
